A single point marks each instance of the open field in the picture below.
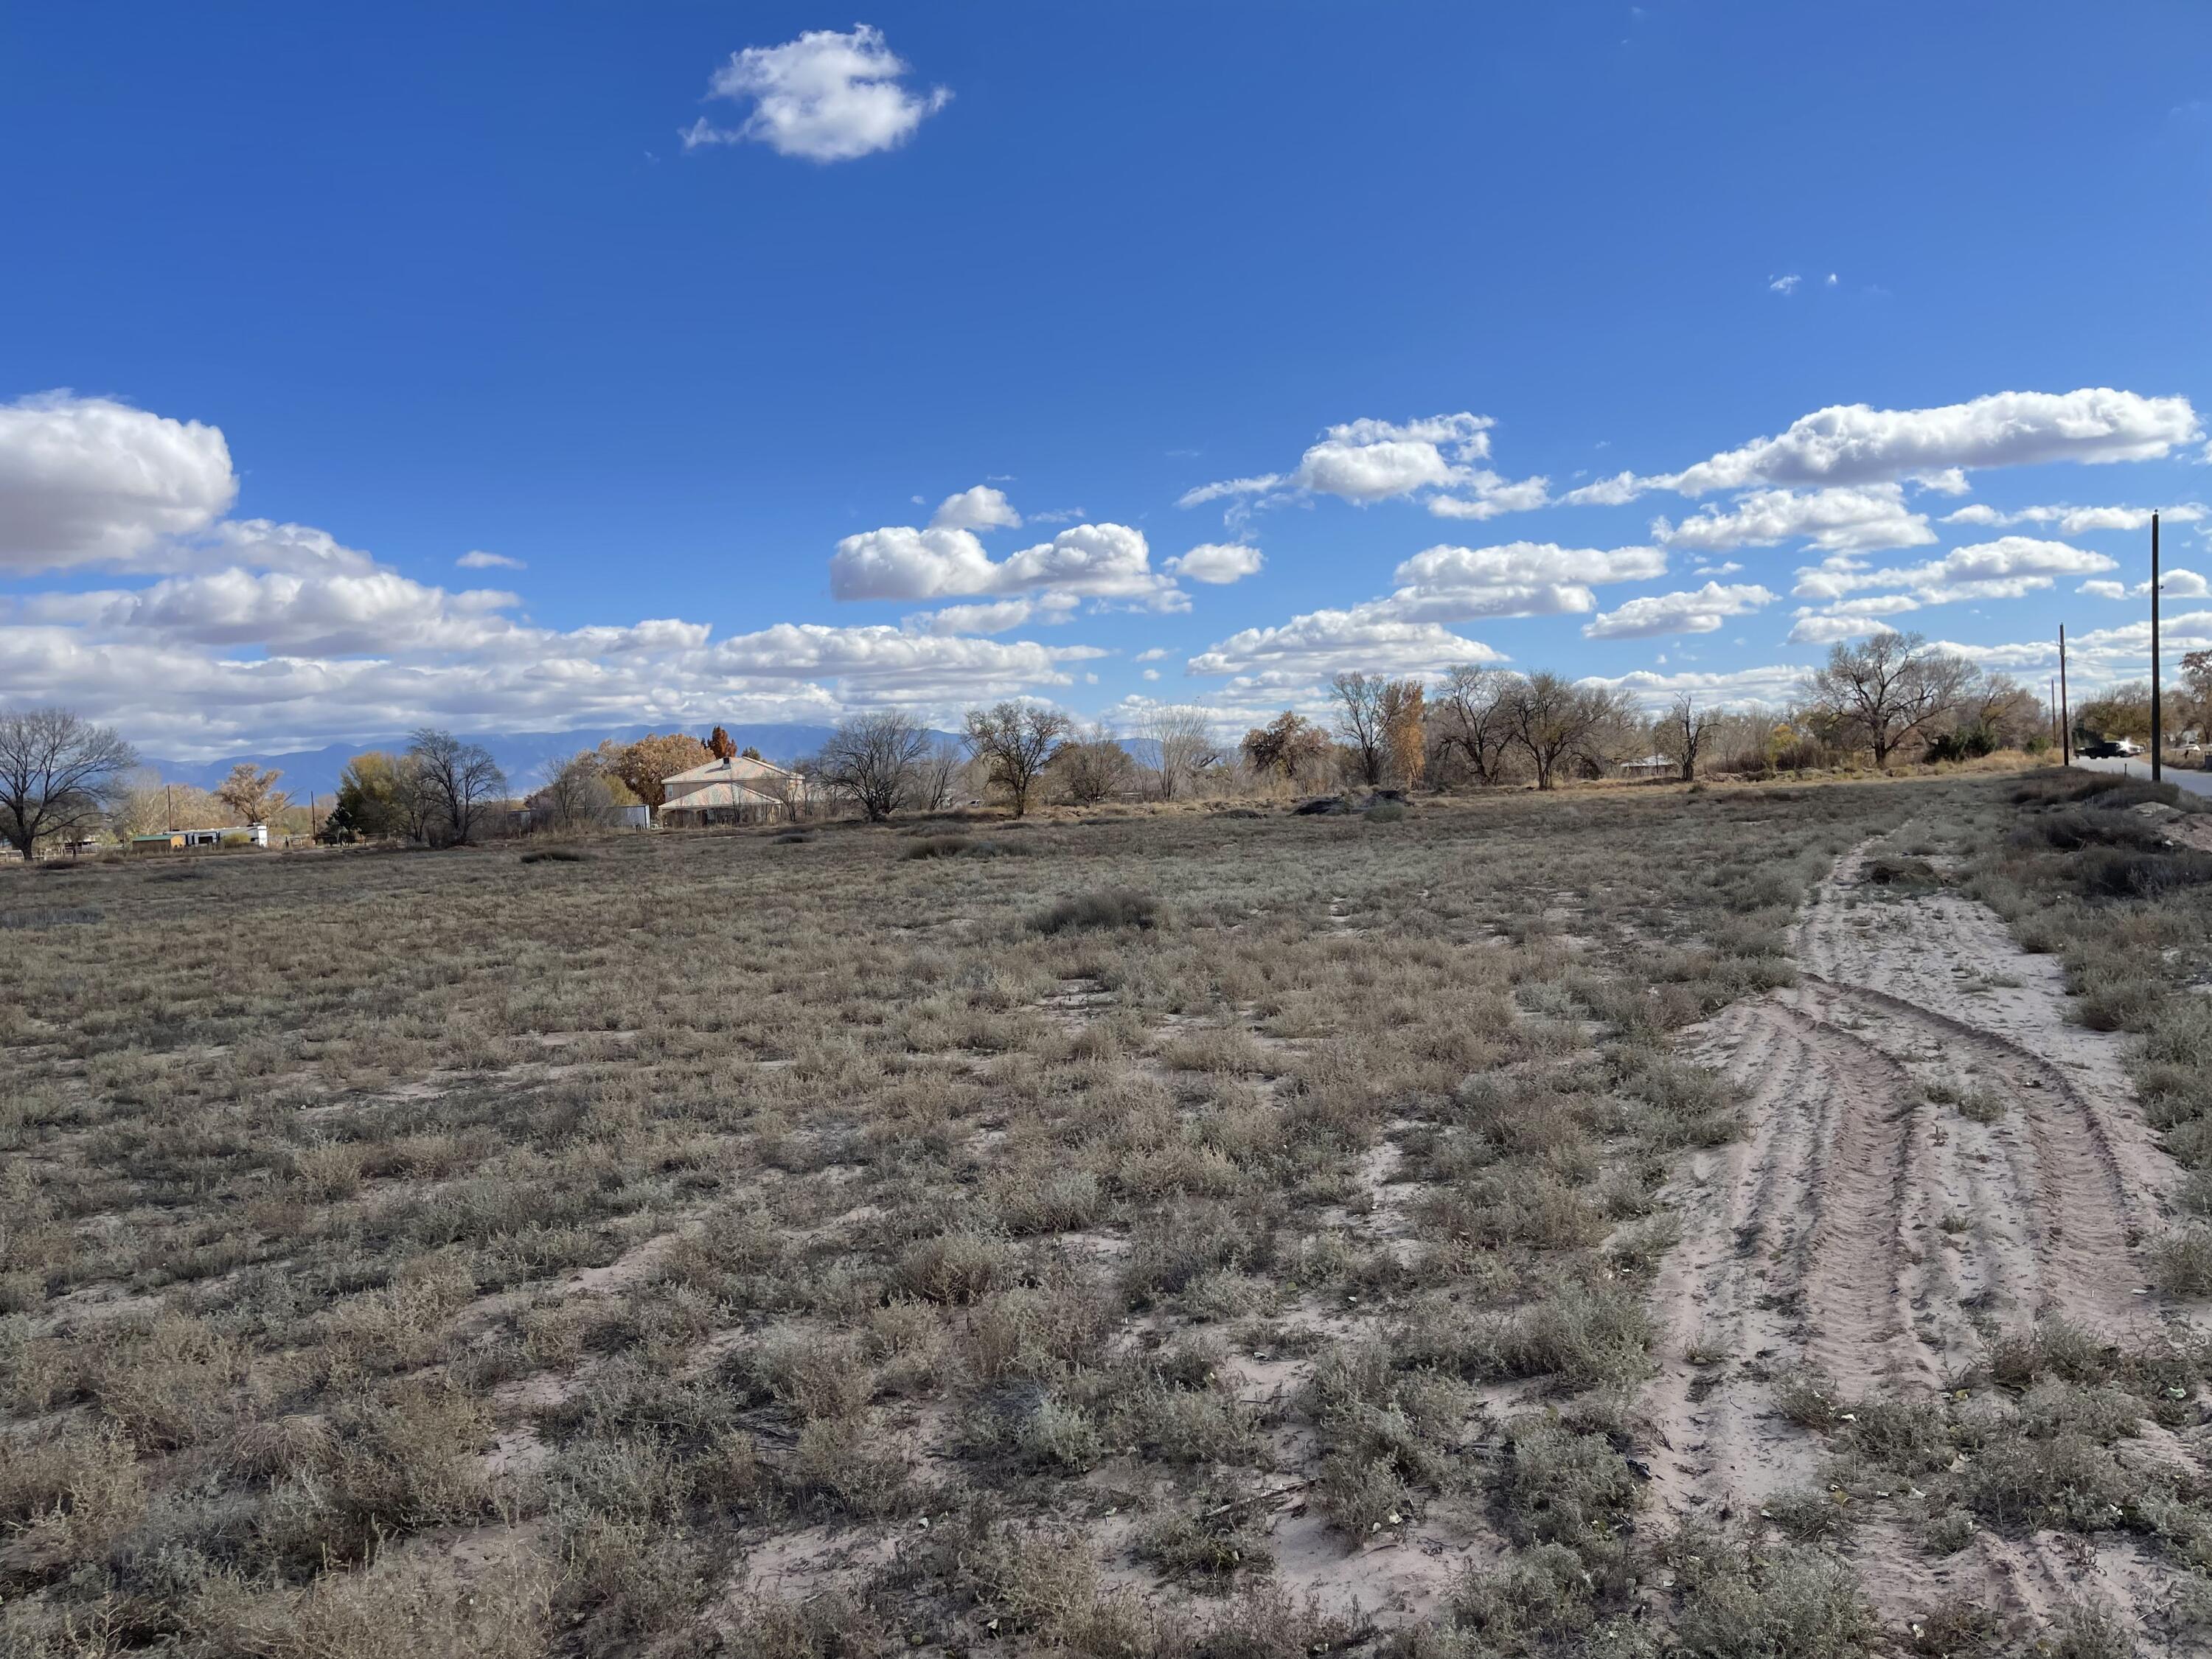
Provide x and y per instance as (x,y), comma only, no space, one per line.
(1747,1221)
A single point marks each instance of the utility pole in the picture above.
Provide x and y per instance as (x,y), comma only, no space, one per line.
(2157,714)
(2065,714)
(169,805)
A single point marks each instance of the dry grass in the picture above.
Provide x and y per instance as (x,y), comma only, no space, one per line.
(524,1257)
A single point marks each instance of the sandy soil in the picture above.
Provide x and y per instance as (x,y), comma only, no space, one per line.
(1866,1229)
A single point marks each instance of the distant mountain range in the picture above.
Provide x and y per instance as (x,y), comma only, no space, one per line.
(523,756)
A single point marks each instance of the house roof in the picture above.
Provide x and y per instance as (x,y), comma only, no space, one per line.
(736,769)
(701,795)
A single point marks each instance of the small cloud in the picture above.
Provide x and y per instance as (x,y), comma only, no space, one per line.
(1157,653)
(1218,562)
(1152,673)
(1831,279)
(478,559)
(1784,284)
(823,97)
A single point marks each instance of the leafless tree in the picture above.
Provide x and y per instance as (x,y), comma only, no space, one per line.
(1092,766)
(58,774)
(1683,732)
(936,776)
(1014,740)
(1184,738)
(1361,723)
(1471,718)
(1888,689)
(577,794)
(455,785)
(1557,723)
(872,758)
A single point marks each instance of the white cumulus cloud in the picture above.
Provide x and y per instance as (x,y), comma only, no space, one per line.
(1319,643)
(1217,563)
(1837,521)
(1098,561)
(478,559)
(1370,460)
(89,481)
(1853,443)
(1699,610)
(1737,688)
(980,508)
(2075,520)
(823,97)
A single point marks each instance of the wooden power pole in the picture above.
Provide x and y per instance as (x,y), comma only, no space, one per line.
(2157,714)
(2065,714)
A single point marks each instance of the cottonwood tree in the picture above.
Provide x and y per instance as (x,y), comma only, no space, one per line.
(251,794)
(59,775)
(1683,733)
(2121,711)
(144,805)
(1470,717)
(1290,745)
(1184,738)
(578,794)
(455,785)
(1014,741)
(1404,733)
(719,745)
(375,801)
(2001,712)
(1888,689)
(1092,768)
(646,765)
(1360,723)
(937,775)
(2195,692)
(1557,723)
(873,759)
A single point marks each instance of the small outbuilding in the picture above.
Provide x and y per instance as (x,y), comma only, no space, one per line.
(1651,766)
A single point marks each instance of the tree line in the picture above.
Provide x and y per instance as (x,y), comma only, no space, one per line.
(1893,696)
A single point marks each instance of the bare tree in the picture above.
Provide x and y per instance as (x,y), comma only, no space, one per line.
(1360,723)
(1557,723)
(872,758)
(58,774)
(578,793)
(936,774)
(1888,689)
(1472,719)
(1014,740)
(1683,732)
(1092,767)
(251,794)
(1184,738)
(455,784)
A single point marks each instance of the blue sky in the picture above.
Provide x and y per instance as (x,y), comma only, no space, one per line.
(308,305)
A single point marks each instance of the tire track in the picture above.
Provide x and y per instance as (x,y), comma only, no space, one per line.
(1859,1229)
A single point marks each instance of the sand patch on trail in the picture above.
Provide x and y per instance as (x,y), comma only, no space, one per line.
(1871,1226)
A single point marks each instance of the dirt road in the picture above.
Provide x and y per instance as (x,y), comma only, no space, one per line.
(1934,1154)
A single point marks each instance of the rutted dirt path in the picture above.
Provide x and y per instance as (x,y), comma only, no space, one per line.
(1933,1153)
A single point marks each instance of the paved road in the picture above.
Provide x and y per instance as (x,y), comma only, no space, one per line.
(2197,783)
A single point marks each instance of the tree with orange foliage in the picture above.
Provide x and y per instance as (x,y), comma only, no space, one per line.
(646,766)
(719,744)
